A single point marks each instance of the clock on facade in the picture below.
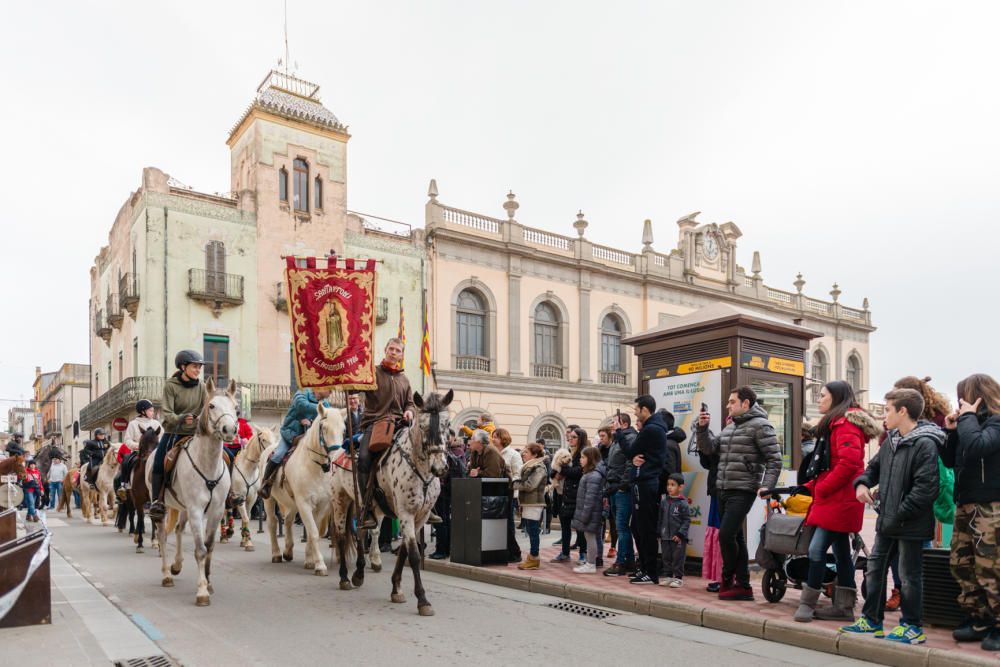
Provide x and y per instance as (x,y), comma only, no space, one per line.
(710,247)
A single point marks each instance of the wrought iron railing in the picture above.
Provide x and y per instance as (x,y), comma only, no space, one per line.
(472,363)
(128,292)
(101,326)
(547,371)
(215,286)
(114,311)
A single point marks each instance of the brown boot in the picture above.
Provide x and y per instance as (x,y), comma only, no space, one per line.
(530,563)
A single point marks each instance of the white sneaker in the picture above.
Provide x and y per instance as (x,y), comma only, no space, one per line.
(676,583)
(585,568)
(666,581)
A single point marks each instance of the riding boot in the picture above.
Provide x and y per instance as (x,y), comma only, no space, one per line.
(157,510)
(434,519)
(367,492)
(265,485)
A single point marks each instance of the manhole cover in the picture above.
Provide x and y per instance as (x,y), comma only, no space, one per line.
(151,661)
(582,609)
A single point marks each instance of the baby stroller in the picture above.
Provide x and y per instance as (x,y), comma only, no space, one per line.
(784,552)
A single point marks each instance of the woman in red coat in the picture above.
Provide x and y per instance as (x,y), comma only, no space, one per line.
(839,458)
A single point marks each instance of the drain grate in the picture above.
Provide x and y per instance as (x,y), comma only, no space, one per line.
(582,609)
(151,661)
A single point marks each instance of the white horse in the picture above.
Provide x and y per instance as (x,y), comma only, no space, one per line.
(100,495)
(408,473)
(247,478)
(199,488)
(303,486)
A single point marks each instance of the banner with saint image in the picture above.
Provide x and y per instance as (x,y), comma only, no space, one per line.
(332,313)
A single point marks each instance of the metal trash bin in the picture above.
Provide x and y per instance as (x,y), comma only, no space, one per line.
(480,509)
(940,590)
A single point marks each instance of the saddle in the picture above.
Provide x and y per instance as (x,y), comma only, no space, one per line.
(343,461)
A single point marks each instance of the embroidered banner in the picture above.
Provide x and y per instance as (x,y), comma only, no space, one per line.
(332,312)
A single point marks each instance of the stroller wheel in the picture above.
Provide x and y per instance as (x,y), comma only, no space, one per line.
(774,585)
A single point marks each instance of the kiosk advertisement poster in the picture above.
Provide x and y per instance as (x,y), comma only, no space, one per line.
(683,395)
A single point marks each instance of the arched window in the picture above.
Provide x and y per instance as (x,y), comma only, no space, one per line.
(548,347)
(854,372)
(612,361)
(300,193)
(215,267)
(818,373)
(318,193)
(283,185)
(551,434)
(470,333)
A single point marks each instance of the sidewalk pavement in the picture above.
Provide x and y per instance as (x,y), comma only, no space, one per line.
(86,629)
(694,605)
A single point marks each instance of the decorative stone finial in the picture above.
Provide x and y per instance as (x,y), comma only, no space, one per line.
(511,205)
(835,292)
(432,189)
(647,233)
(799,283)
(755,267)
(865,305)
(580,225)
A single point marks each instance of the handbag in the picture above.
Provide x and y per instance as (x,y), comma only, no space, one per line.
(787,535)
(382,433)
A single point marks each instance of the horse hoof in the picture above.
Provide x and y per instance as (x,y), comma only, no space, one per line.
(321,573)
(310,566)
(397,598)
(203,601)
(346,586)
(248,547)
(376,567)
(426,610)
(224,540)
(167,582)
(175,570)
(275,559)
(287,557)
(358,581)
(139,550)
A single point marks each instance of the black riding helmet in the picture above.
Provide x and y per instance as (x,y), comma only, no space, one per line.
(99,431)
(185,357)
(143,405)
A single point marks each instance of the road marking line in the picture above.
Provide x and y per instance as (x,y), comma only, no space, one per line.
(147,627)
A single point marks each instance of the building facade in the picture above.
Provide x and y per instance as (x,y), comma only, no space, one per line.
(528,325)
(59,404)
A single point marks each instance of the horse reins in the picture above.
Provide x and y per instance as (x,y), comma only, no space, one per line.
(429,451)
(210,483)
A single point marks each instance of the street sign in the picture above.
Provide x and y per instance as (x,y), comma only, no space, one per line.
(120,424)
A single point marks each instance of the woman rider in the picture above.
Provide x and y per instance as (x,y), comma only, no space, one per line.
(184,398)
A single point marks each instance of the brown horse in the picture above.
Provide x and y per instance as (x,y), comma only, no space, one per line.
(66,499)
(138,494)
(13,465)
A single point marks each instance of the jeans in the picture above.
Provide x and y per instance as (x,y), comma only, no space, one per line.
(534,529)
(280,451)
(621,506)
(167,441)
(644,526)
(592,540)
(55,490)
(30,498)
(735,505)
(821,541)
(911,566)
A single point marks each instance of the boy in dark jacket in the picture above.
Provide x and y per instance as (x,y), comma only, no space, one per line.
(675,520)
(905,470)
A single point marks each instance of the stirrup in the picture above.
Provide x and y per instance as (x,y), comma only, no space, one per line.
(434,519)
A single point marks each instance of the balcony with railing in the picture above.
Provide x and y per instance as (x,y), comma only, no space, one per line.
(128,293)
(101,327)
(218,289)
(381,310)
(52,427)
(550,371)
(614,377)
(114,311)
(472,363)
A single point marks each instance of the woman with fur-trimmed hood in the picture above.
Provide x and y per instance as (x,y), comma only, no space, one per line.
(838,459)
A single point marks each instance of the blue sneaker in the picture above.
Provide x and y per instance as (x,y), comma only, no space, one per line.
(561,558)
(863,627)
(907,634)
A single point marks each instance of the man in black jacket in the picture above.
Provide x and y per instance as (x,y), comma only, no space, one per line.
(648,453)
(620,494)
(906,472)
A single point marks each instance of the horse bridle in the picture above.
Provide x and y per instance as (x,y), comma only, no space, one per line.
(325,465)
(436,448)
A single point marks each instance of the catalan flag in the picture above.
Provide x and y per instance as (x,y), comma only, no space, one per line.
(401,332)
(425,347)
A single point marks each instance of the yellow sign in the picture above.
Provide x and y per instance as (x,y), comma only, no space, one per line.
(662,373)
(755,362)
(786,366)
(705,365)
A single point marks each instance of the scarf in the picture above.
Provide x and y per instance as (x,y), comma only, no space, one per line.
(185,383)
(390,367)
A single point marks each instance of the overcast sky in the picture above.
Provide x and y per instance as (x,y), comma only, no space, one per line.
(854,142)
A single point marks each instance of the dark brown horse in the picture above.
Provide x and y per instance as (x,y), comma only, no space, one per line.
(138,494)
(13,465)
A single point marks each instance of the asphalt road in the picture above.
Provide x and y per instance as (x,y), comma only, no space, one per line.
(281,614)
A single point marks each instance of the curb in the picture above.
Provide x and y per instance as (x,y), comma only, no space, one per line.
(784,632)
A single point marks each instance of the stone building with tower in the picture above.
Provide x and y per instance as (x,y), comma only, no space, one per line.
(528,325)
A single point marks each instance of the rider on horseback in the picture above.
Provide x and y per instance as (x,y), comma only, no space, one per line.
(145,420)
(184,396)
(392,399)
(93,452)
(302,412)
